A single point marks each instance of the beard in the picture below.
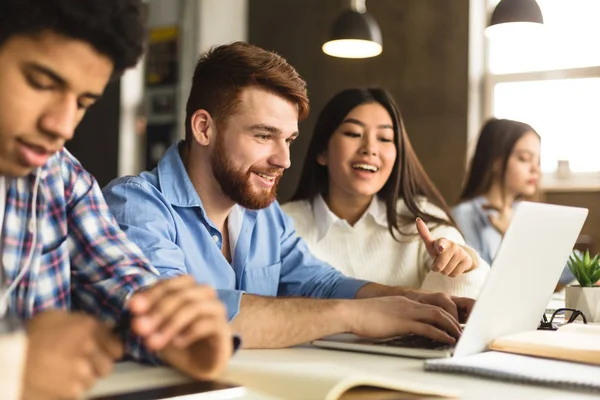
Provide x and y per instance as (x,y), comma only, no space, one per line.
(236,184)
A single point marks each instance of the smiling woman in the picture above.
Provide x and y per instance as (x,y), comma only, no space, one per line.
(360,192)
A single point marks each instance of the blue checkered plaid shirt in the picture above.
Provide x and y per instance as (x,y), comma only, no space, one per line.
(81,259)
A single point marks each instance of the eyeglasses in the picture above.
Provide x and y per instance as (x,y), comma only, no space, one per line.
(546,324)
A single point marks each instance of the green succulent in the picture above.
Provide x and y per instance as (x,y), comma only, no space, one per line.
(585,269)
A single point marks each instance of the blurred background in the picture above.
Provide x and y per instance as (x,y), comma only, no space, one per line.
(446,72)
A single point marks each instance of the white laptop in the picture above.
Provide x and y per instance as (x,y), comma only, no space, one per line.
(522,278)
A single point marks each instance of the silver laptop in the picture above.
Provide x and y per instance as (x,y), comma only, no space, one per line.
(524,273)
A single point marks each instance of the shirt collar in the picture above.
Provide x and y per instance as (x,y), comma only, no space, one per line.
(175,183)
(325,218)
(378,211)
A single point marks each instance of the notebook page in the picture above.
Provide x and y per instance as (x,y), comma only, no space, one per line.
(518,368)
(316,380)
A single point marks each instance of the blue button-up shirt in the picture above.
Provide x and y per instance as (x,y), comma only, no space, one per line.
(162,213)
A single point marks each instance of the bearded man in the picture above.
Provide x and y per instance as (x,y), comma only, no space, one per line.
(209,209)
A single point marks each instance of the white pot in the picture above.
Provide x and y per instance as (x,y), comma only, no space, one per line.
(585,299)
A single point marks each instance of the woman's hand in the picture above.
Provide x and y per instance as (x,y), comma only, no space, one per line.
(449,258)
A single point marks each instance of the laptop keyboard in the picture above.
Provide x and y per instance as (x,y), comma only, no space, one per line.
(416,342)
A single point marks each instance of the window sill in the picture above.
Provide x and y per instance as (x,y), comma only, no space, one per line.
(582,182)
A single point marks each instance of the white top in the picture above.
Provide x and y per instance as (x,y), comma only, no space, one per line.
(368,251)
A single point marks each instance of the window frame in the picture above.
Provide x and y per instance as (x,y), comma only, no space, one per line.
(553,181)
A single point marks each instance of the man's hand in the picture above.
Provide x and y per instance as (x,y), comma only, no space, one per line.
(459,307)
(449,258)
(67,353)
(186,323)
(384,317)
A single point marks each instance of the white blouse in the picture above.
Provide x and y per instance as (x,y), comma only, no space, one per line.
(368,251)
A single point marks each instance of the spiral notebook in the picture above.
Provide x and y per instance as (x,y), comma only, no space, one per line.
(520,368)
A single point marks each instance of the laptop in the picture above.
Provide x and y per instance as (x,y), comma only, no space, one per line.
(519,286)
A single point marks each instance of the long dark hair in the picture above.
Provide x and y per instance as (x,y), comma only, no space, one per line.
(496,143)
(408,179)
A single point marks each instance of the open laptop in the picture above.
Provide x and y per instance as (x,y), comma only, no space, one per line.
(524,273)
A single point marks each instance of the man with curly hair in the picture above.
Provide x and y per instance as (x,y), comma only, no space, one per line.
(61,249)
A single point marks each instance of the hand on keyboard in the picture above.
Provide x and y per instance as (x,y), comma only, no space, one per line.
(458,307)
(385,317)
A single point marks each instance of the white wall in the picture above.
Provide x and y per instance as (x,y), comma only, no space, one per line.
(202,24)
(206,23)
(478,15)
(163,12)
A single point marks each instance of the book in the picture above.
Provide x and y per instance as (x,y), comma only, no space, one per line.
(196,390)
(571,342)
(132,381)
(317,380)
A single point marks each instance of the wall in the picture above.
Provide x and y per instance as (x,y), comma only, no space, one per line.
(589,200)
(206,23)
(96,140)
(424,64)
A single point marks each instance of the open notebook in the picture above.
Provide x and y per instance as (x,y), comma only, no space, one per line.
(567,358)
(315,380)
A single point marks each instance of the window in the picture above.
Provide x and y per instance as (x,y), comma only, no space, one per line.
(552,82)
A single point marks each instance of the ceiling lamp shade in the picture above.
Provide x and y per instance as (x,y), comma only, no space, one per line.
(515,17)
(355,34)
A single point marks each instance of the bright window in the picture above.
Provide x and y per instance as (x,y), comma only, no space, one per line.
(552,82)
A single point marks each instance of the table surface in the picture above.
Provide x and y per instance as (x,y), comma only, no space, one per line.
(131,376)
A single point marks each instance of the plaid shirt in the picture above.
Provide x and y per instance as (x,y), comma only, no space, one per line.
(81,260)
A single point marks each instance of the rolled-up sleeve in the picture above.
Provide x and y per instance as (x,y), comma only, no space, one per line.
(302,274)
(232,299)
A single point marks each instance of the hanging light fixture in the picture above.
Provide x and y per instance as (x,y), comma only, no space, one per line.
(355,34)
(515,18)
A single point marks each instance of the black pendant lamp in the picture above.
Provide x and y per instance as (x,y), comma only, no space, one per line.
(515,17)
(355,34)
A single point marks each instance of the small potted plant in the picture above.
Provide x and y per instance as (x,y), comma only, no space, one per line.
(585,296)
